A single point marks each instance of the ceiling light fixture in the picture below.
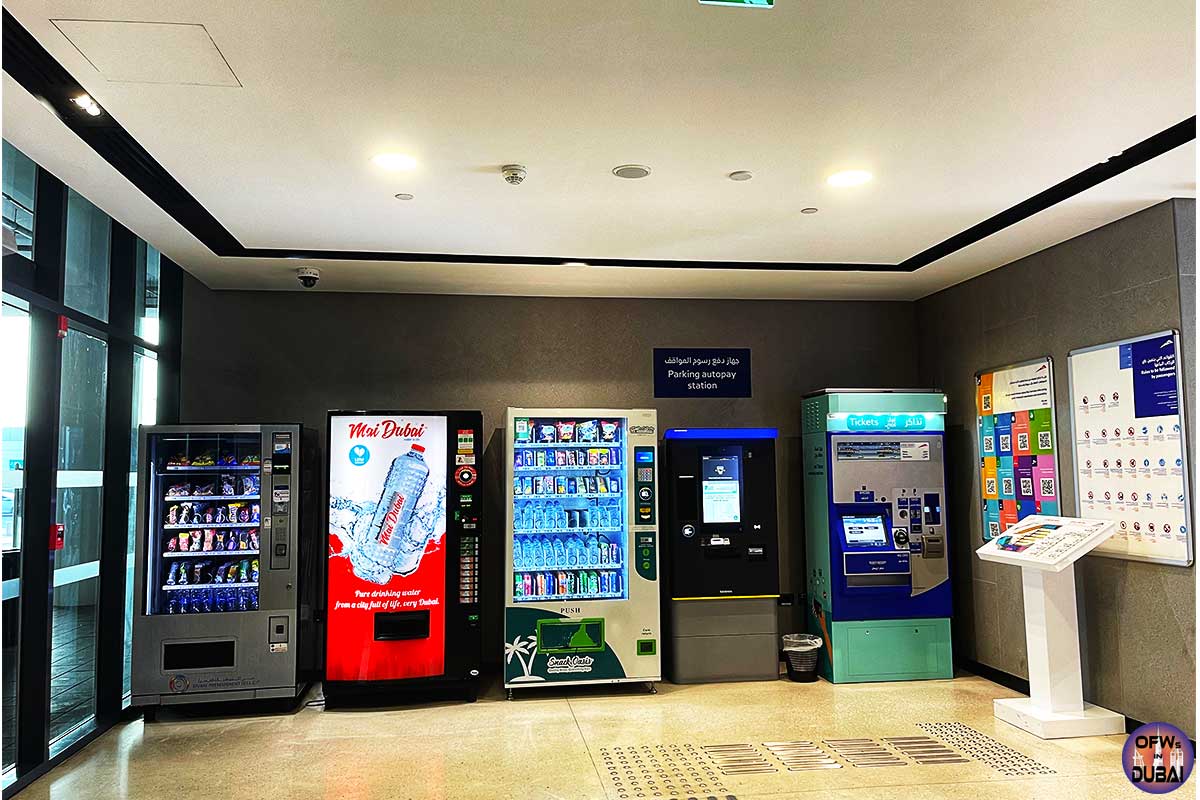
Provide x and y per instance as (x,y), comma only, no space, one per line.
(404,196)
(575,264)
(631,171)
(849,177)
(741,175)
(396,162)
(87,104)
(809,210)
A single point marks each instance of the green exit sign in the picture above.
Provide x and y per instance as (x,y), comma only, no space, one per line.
(749,3)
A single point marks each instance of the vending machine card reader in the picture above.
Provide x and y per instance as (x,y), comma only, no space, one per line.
(878,567)
(722,543)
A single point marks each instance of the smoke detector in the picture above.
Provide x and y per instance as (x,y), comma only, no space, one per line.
(513,173)
(631,171)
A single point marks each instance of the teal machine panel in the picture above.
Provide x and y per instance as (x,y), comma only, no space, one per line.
(877,548)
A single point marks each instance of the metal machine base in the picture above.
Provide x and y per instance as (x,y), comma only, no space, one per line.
(723,639)
(1092,721)
(889,650)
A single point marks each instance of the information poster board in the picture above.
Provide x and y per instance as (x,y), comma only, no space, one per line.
(1016,442)
(1128,438)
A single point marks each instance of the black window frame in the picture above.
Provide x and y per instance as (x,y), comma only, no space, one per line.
(39,283)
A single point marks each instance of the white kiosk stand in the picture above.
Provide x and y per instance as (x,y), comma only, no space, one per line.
(1046,549)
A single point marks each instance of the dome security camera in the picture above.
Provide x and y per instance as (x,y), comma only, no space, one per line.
(513,173)
(308,276)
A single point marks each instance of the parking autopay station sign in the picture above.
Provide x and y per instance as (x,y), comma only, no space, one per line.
(702,372)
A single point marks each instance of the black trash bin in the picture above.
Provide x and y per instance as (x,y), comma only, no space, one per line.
(800,651)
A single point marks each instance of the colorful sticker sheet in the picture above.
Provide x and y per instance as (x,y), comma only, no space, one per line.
(1017,462)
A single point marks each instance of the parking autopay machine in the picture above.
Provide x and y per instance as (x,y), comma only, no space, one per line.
(877,560)
(722,549)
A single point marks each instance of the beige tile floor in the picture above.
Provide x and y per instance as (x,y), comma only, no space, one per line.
(553,745)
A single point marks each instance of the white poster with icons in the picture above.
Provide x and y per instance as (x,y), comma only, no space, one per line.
(1128,436)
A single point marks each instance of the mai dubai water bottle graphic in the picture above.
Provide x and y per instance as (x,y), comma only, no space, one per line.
(390,538)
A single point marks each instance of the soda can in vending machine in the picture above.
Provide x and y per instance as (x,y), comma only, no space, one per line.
(605,582)
(541,458)
(562,582)
(541,584)
(560,485)
(528,457)
(527,584)
(551,584)
(518,586)
(618,583)
(572,587)
(572,486)
(527,485)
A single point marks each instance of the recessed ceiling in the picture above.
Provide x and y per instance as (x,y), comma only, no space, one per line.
(959,112)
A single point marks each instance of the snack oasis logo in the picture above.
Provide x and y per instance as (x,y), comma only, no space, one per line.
(1158,758)
(559,665)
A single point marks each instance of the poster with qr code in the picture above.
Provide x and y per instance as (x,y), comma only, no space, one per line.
(1018,461)
(1127,431)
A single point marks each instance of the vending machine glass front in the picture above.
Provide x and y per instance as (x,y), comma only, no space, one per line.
(204,508)
(569,509)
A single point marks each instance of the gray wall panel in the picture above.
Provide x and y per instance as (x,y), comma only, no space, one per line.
(1137,620)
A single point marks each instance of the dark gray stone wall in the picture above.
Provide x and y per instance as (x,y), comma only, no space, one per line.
(292,356)
(1128,278)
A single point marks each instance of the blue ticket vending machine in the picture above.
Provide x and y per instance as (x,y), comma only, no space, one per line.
(878,563)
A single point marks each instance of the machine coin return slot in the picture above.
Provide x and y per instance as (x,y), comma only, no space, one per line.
(193,656)
(398,626)
(934,547)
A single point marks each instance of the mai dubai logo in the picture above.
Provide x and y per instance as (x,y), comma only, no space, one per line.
(1158,758)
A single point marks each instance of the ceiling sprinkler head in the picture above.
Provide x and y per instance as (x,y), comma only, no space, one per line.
(513,173)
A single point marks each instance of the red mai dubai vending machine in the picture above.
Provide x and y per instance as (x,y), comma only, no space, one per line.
(405,501)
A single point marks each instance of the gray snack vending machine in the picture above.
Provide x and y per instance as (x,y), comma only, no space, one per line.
(222,600)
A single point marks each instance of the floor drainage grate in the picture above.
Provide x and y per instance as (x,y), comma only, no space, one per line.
(985,749)
(662,772)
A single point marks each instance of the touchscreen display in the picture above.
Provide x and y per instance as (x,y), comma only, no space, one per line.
(864,530)
(721,489)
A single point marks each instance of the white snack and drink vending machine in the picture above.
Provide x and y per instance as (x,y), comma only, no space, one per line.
(581,554)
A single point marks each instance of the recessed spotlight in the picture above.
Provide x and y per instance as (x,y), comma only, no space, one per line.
(404,196)
(631,171)
(849,177)
(87,104)
(809,210)
(396,162)
(575,264)
(741,175)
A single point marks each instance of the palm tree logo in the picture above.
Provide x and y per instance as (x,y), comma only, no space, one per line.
(522,647)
